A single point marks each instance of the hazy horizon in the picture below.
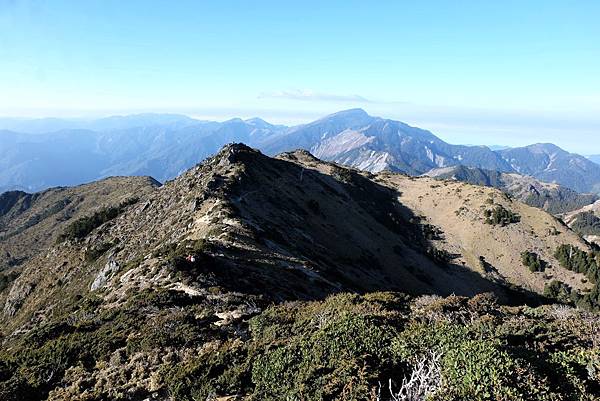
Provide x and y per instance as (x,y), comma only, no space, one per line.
(309,117)
(511,73)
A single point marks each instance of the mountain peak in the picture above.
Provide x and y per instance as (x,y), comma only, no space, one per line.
(545,147)
(258,122)
(351,118)
(235,120)
(357,112)
(235,148)
(234,153)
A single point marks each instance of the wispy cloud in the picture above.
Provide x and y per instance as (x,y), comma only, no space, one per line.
(313,96)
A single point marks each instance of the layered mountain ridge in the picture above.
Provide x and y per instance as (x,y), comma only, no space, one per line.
(163,146)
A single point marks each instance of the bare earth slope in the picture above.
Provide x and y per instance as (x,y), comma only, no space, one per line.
(458,210)
(551,197)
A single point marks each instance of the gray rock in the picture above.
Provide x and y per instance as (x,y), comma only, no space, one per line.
(16,297)
(105,274)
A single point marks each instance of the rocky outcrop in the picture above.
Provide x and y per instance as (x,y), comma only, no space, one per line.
(109,270)
(17,295)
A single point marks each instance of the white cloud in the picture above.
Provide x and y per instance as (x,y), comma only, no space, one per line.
(313,96)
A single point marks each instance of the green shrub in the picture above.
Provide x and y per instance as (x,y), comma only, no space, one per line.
(558,290)
(533,261)
(500,216)
(321,361)
(340,348)
(572,258)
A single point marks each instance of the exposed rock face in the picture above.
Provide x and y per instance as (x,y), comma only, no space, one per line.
(16,297)
(109,270)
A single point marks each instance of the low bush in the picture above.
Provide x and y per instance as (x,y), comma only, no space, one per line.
(500,216)
(533,262)
(575,259)
(342,348)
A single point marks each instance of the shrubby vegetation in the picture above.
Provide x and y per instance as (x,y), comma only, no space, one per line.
(341,348)
(178,253)
(85,225)
(500,216)
(533,262)
(558,290)
(577,260)
(95,252)
(586,223)
(440,256)
(431,232)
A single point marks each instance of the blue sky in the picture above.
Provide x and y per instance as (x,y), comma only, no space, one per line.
(480,72)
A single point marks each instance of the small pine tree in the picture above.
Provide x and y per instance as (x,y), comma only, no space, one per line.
(533,261)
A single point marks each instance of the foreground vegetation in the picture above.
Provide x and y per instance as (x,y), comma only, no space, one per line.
(347,347)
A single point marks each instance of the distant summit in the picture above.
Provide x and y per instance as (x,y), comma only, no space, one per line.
(258,122)
(164,145)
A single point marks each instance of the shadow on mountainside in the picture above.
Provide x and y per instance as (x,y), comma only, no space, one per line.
(313,233)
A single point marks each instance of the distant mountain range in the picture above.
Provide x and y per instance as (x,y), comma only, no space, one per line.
(37,154)
(45,125)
